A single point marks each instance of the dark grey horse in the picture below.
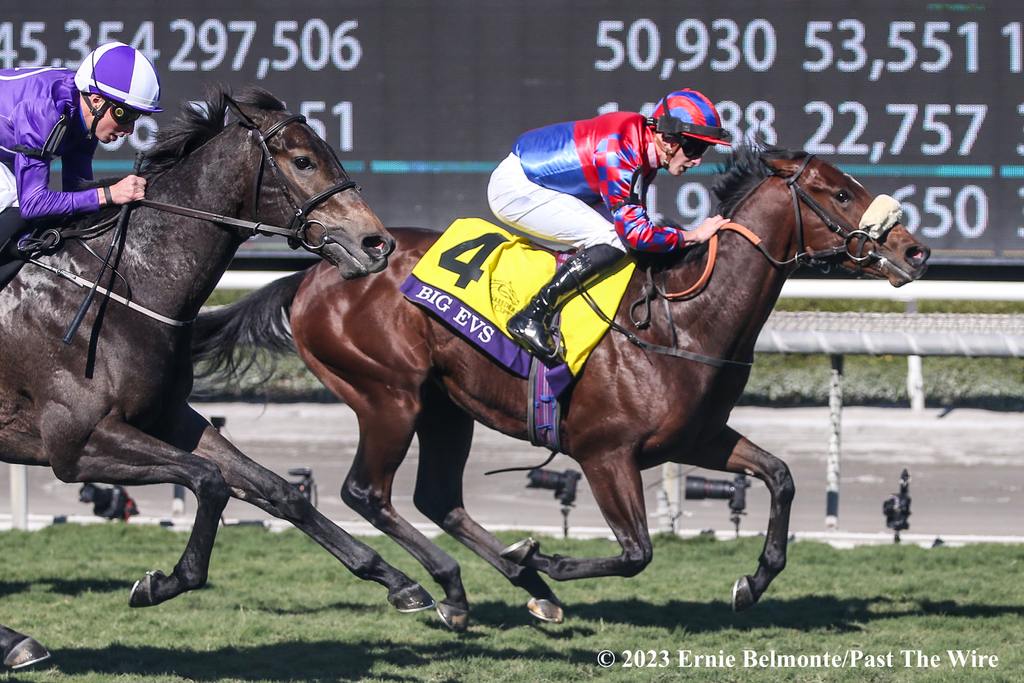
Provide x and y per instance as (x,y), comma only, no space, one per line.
(126,420)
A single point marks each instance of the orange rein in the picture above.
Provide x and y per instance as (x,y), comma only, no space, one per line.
(712,254)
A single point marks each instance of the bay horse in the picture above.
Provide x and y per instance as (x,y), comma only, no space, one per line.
(405,373)
(127,420)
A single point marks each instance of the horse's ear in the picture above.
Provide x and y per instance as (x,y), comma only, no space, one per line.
(783,167)
(248,113)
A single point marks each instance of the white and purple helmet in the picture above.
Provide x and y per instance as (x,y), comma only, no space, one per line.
(120,73)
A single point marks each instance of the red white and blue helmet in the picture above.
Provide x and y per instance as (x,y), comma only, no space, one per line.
(120,73)
(689,112)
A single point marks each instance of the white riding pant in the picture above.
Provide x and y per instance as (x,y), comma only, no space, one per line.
(554,219)
(8,188)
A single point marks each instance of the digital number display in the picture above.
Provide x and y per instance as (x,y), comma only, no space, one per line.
(921,100)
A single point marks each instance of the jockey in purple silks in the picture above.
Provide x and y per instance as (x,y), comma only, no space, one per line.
(583,184)
(48,112)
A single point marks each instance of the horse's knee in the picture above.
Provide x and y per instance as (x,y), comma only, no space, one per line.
(364,499)
(426,503)
(211,487)
(636,559)
(434,509)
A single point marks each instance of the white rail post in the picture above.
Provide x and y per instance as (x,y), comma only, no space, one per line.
(915,374)
(178,502)
(19,497)
(835,411)
(668,498)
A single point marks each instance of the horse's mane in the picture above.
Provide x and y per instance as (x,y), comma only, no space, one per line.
(196,124)
(745,169)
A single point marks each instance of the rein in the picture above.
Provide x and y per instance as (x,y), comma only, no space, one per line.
(300,223)
(651,290)
(297,230)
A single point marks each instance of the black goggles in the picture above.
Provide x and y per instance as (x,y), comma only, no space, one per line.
(123,114)
(693,148)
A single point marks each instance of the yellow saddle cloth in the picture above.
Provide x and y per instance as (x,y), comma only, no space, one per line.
(478,275)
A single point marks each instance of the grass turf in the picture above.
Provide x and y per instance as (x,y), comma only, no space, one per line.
(279,608)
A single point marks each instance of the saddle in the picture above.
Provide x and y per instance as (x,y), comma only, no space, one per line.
(20,242)
(17,246)
(477,275)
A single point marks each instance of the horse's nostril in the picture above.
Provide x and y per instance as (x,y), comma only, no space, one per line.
(377,247)
(917,255)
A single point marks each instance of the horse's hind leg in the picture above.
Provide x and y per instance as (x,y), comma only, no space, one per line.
(117,453)
(445,435)
(251,482)
(733,452)
(18,650)
(618,490)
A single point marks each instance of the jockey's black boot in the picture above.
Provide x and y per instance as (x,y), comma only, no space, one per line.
(531,327)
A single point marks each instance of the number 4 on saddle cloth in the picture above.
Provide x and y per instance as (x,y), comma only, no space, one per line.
(478,275)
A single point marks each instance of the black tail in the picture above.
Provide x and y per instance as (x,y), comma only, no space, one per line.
(227,341)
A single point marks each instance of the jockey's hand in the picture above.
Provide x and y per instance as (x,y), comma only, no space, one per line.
(703,232)
(128,189)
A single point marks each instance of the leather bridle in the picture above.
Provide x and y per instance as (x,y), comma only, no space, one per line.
(849,234)
(819,258)
(300,223)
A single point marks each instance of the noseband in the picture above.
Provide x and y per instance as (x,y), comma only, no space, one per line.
(822,257)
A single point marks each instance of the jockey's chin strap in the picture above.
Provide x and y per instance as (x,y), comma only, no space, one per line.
(97,114)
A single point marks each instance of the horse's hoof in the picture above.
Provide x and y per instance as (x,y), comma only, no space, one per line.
(144,590)
(521,551)
(26,653)
(742,596)
(411,599)
(455,618)
(545,610)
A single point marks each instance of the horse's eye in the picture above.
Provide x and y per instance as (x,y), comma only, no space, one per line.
(843,197)
(302,163)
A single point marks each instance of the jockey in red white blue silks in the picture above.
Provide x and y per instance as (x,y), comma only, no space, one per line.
(584,184)
(49,112)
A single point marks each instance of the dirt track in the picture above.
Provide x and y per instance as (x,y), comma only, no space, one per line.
(966,466)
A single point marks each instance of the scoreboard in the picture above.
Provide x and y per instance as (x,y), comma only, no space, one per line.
(921,100)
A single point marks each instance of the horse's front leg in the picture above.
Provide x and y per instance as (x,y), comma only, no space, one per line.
(18,650)
(732,452)
(618,489)
(253,483)
(115,452)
